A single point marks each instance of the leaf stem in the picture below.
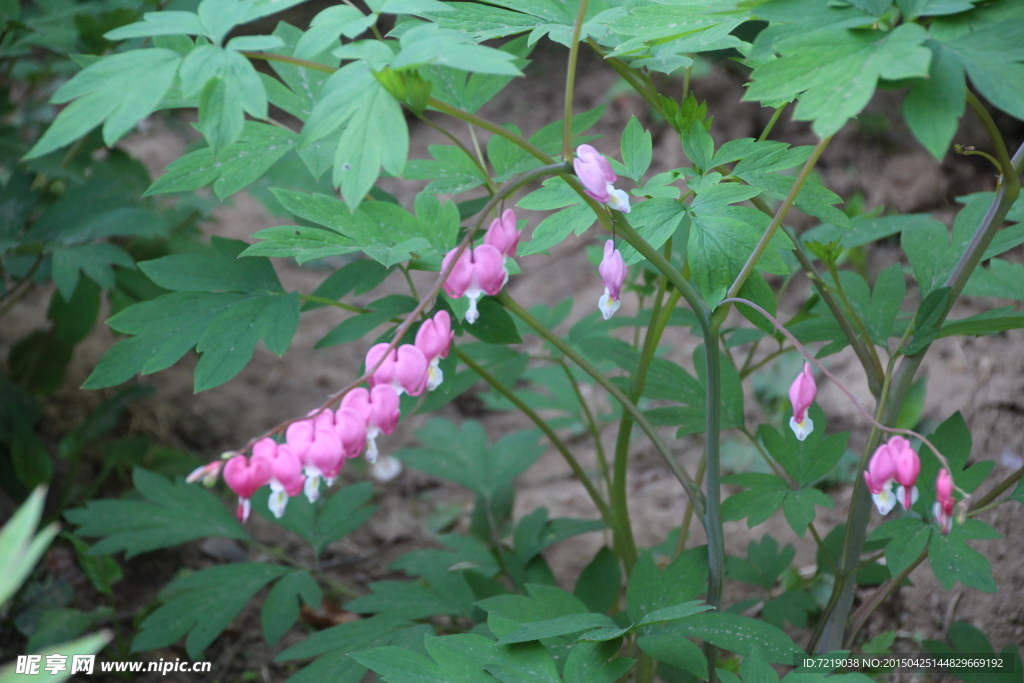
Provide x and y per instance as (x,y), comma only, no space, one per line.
(592,427)
(542,424)
(570,79)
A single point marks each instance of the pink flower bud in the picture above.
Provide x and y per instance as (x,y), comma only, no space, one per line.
(404,368)
(594,172)
(596,175)
(477,272)
(245,476)
(945,503)
(613,273)
(801,395)
(208,473)
(503,235)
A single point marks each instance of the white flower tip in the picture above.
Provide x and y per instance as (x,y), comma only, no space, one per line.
(884,501)
(435,376)
(607,304)
(312,488)
(618,199)
(472,315)
(244,509)
(386,469)
(371,448)
(277,503)
(802,429)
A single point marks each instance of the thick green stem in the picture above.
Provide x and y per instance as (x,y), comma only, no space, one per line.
(570,79)
(834,619)
(542,424)
(689,486)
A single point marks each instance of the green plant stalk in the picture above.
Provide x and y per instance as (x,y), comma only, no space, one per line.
(689,486)
(836,613)
(780,215)
(771,122)
(570,79)
(542,424)
(592,426)
(684,528)
(712,510)
(620,463)
(627,74)
(867,359)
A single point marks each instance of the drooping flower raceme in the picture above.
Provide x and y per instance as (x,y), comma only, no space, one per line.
(404,368)
(379,411)
(478,271)
(245,476)
(879,477)
(613,273)
(503,235)
(597,177)
(434,339)
(944,501)
(801,395)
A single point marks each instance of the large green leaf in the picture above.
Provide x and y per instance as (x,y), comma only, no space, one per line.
(834,71)
(281,607)
(202,604)
(168,515)
(322,523)
(237,166)
(224,326)
(118,91)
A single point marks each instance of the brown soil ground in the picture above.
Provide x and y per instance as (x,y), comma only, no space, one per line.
(876,158)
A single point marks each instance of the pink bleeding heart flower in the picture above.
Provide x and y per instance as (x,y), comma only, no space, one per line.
(351,429)
(908,466)
(325,456)
(299,436)
(477,271)
(613,273)
(208,473)
(597,177)
(879,476)
(801,395)
(245,476)
(265,448)
(379,410)
(288,479)
(502,234)
(404,368)
(434,339)
(944,501)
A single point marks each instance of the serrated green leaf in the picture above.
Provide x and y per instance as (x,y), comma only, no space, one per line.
(651,590)
(952,560)
(451,170)
(809,460)
(556,227)
(835,71)
(934,105)
(169,515)
(655,220)
(636,149)
(202,605)
(599,581)
(738,634)
(95,260)
(764,563)
(281,607)
(595,663)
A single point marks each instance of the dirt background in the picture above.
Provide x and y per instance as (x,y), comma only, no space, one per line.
(875,158)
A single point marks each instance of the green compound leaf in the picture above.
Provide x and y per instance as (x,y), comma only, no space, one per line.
(450,171)
(738,634)
(470,93)
(934,105)
(322,523)
(655,220)
(224,326)
(811,459)
(650,590)
(118,91)
(834,71)
(463,456)
(952,560)
(202,605)
(595,663)
(236,167)
(169,515)
(281,608)
(764,564)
